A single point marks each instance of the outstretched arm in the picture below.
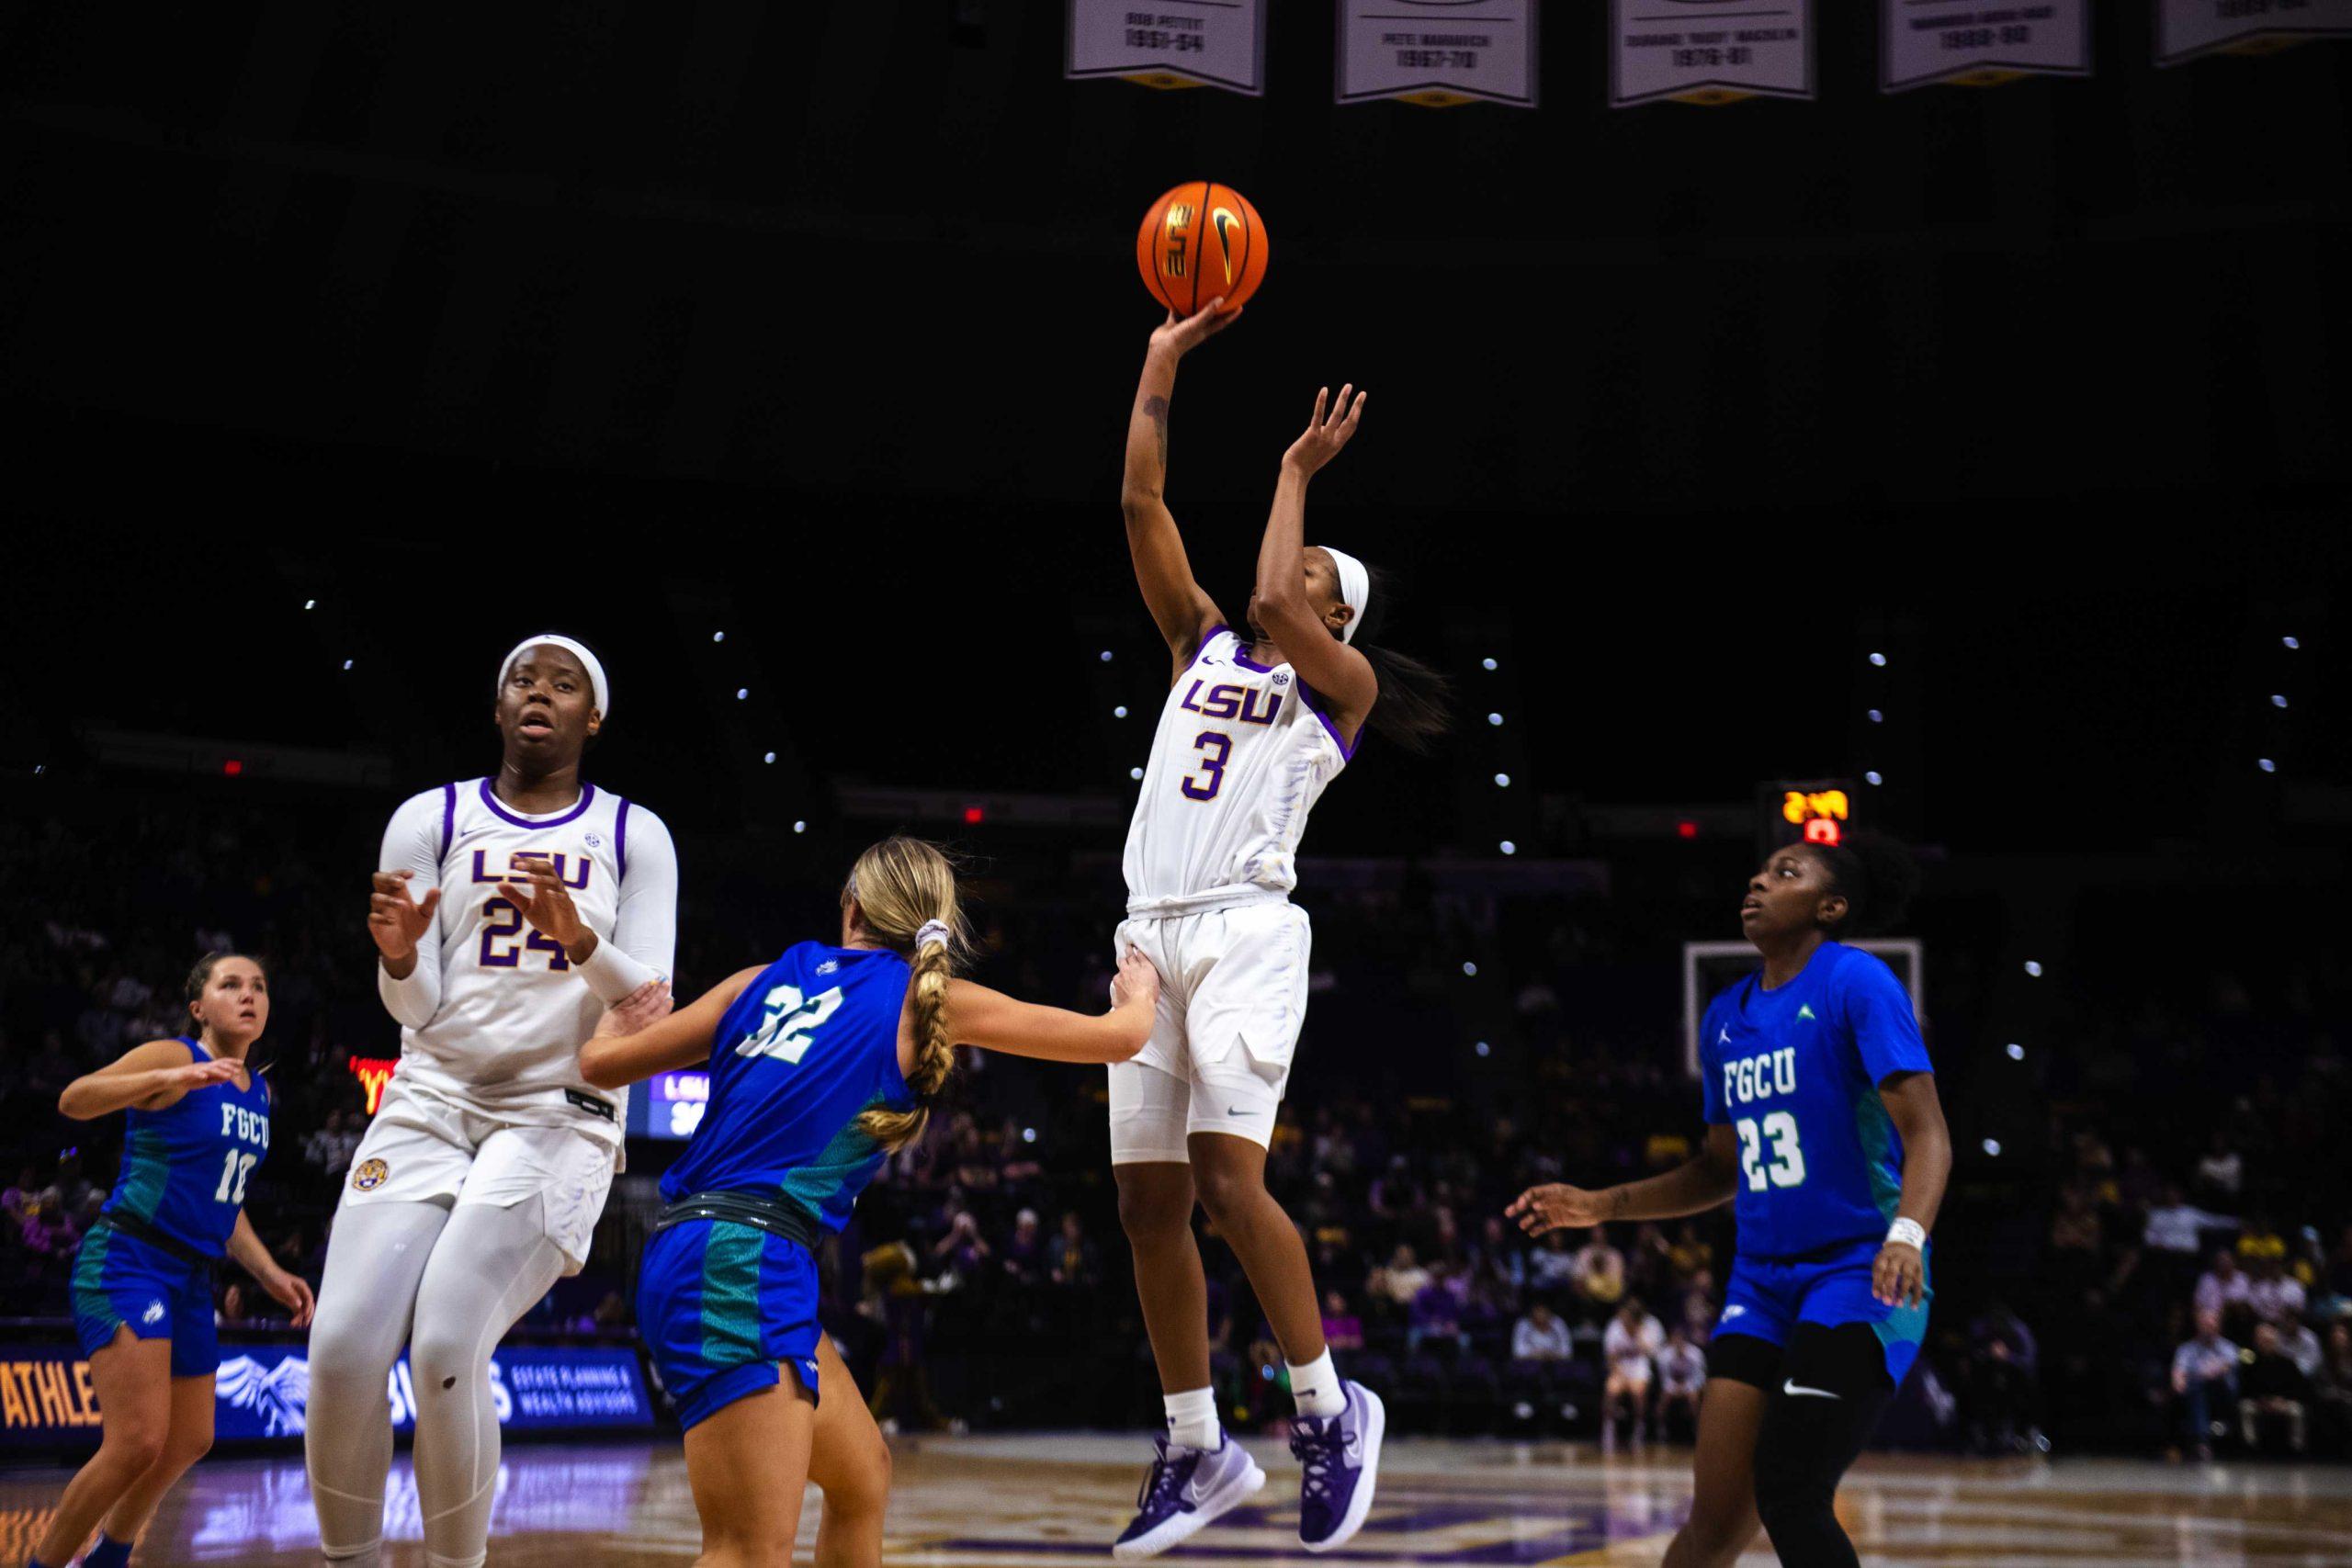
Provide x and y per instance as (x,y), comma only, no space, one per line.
(1704,1181)
(152,1076)
(1179,607)
(1342,675)
(636,1038)
(979,1016)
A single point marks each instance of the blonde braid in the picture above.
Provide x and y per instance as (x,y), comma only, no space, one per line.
(906,890)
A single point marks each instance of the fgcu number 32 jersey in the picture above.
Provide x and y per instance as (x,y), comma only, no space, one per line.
(494,1017)
(1795,1072)
(810,1045)
(1243,753)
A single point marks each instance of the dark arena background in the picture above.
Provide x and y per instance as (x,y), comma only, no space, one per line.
(1967,464)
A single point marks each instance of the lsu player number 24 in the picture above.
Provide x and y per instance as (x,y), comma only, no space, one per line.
(482,1176)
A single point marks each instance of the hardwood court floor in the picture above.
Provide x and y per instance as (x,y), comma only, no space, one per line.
(996,1502)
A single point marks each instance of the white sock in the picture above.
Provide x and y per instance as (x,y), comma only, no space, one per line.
(1192,1419)
(1315,1387)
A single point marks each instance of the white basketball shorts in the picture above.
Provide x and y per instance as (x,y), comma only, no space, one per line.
(421,1149)
(1232,998)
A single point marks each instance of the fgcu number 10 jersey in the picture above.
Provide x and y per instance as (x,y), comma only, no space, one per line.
(184,1168)
(1243,753)
(1795,1072)
(810,1045)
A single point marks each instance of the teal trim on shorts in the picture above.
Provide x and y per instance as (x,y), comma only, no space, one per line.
(89,1290)
(1908,1324)
(730,1294)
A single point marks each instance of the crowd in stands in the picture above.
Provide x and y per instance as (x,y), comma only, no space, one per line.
(2122,1292)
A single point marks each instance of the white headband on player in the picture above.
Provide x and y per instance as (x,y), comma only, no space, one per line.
(1355,588)
(588,661)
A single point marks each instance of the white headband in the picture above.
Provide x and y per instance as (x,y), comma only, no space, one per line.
(588,661)
(1355,588)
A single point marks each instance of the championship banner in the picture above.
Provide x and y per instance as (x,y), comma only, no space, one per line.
(1974,43)
(1438,53)
(1171,43)
(2187,28)
(264,1391)
(1708,51)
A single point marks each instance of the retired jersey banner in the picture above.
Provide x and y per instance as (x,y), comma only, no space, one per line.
(1438,53)
(2187,28)
(1171,43)
(1976,43)
(1708,51)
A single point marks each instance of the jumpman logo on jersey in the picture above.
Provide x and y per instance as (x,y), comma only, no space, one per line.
(1806,1012)
(1724,1038)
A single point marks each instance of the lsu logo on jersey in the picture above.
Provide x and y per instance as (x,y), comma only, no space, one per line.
(570,869)
(368,1175)
(1232,700)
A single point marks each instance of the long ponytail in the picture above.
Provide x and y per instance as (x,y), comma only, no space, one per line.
(1412,710)
(901,886)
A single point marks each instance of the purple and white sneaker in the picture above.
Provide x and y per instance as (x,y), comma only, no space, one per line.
(1185,1491)
(1340,1456)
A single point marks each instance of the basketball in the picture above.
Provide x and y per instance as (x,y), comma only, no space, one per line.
(1198,241)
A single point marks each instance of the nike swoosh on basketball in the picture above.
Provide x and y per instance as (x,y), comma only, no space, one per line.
(1788,1385)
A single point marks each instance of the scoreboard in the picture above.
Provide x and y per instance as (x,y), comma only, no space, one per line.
(669,1105)
(1815,811)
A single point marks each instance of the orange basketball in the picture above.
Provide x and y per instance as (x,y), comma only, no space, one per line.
(1200,241)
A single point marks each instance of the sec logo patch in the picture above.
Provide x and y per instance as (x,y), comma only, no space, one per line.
(368,1175)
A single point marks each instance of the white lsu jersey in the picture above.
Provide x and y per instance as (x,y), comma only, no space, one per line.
(1243,753)
(504,1035)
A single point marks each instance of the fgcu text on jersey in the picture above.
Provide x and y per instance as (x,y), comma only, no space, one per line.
(1795,1072)
(1242,752)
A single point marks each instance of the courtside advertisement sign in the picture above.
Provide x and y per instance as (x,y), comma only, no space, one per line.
(264,1391)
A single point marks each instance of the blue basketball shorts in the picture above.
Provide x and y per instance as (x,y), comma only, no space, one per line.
(1768,1297)
(722,1307)
(119,1281)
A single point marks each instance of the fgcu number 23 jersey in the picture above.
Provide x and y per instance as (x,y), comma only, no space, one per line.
(508,1015)
(810,1045)
(1243,753)
(1795,1072)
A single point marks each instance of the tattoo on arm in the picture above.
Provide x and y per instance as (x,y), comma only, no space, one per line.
(1155,408)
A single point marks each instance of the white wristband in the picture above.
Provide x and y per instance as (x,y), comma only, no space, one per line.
(1909,1233)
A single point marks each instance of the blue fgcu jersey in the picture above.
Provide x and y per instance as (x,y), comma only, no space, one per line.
(185,1168)
(1796,1073)
(810,1046)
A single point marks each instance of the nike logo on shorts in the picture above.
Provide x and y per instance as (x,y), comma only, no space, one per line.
(1788,1385)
